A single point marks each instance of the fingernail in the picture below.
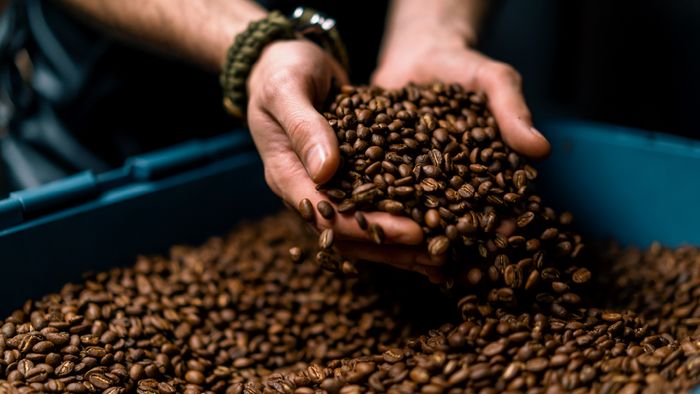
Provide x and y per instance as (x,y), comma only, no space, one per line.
(314,159)
(536,132)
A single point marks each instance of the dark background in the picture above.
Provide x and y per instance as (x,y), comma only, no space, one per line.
(633,63)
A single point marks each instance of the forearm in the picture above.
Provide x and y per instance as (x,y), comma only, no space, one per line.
(199,31)
(447,22)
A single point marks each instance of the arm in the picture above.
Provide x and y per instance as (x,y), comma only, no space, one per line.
(199,31)
(449,22)
(429,41)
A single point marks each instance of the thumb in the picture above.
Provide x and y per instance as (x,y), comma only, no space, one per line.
(310,135)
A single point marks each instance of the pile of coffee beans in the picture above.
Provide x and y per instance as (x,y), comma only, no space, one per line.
(251,314)
(434,154)
(612,350)
(200,321)
(599,351)
(661,284)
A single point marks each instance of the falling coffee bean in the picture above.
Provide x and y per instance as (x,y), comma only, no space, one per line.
(325,241)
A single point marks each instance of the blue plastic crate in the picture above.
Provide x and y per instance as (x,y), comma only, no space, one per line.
(635,186)
(51,234)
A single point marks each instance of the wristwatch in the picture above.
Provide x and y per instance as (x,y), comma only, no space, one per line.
(321,29)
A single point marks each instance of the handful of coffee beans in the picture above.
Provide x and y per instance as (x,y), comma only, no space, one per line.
(434,153)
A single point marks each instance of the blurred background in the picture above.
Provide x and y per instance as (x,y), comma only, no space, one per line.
(72,99)
(632,63)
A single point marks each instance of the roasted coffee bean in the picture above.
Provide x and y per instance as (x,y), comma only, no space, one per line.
(325,209)
(376,233)
(348,268)
(391,206)
(361,220)
(306,210)
(438,245)
(581,275)
(432,218)
(194,377)
(325,241)
(295,253)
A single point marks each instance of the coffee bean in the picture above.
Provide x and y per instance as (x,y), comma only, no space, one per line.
(376,233)
(474,276)
(420,375)
(361,220)
(493,349)
(325,241)
(295,253)
(374,153)
(512,276)
(194,377)
(438,245)
(611,316)
(536,364)
(325,209)
(306,210)
(391,206)
(581,275)
(393,355)
(346,206)
(432,218)
(136,372)
(348,268)
(24,365)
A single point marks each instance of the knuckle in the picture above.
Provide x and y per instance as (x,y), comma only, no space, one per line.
(298,131)
(505,72)
(271,180)
(278,84)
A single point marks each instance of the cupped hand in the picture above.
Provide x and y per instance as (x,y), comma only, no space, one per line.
(287,84)
(429,60)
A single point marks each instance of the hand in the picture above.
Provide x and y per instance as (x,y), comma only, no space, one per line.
(299,149)
(426,60)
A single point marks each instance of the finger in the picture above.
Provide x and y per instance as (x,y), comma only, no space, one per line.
(412,258)
(312,138)
(502,85)
(435,274)
(396,255)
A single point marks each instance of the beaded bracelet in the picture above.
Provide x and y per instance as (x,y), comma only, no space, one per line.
(248,45)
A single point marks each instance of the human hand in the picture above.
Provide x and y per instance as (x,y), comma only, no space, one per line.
(299,150)
(425,59)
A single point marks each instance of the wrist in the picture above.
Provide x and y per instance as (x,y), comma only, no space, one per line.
(416,45)
(415,28)
(250,45)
